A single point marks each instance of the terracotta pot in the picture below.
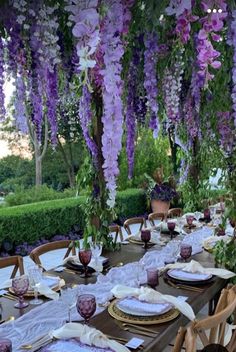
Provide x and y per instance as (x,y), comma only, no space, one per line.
(160,206)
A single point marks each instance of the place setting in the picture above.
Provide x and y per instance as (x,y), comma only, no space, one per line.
(89,261)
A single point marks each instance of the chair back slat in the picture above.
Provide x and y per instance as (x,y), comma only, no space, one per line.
(155,216)
(134,221)
(117,230)
(51,246)
(16,261)
(175,212)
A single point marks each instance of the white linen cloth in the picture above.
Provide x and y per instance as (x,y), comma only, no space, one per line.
(194,267)
(97,266)
(149,295)
(88,335)
(133,306)
(43,287)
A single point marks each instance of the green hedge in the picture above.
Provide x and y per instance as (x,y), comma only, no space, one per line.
(45,219)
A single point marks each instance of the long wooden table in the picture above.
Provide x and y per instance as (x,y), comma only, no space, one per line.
(104,322)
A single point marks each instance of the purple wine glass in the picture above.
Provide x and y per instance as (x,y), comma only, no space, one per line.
(190,219)
(145,237)
(207,214)
(20,286)
(86,306)
(185,251)
(85,256)
(152,277)
(171,228)
(5,345)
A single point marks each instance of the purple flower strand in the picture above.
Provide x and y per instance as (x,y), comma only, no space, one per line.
(226,132)
(130,117)
(112,119)
(150,81)
(52,99)
(85,116)
(2,95)
(20,110)
(233,94)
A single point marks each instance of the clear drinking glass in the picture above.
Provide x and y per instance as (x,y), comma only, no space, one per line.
(35,277)
(96,248)
(20,286)
(68,297)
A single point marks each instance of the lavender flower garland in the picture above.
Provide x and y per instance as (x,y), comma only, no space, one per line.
(20,111)
(2,95)
(172,88)
(130,117)
(226,132)
(233,95)
(52,98)
(150,82)
(85,116)
(112,92)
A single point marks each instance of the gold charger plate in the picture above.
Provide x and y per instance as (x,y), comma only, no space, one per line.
(140,320)
(135,241)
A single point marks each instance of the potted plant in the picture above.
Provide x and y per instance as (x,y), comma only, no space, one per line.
(160,193)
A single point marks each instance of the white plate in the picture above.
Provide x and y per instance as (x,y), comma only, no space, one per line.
(133,306)
(73,346)
(186,276)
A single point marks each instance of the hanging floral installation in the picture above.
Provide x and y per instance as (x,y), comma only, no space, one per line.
(129,64)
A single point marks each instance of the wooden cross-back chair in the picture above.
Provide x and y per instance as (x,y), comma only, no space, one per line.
(211,329)
(155,216)
(134,221)
(16,261)
(52,246)
(116,229)
(175,212)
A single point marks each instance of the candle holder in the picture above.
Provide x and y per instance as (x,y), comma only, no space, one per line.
(152,277)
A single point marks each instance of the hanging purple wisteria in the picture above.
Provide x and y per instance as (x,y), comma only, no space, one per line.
(233,95)
(2,95)
(150,81)
(85,115)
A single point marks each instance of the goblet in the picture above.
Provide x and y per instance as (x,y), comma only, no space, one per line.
(171,227)
(152,277)
(96,248)
(86,306)
(190,219)
(35,277)
(20,286)
(185,251)
(5,345)
(207,215)
(85,256)
(145,237)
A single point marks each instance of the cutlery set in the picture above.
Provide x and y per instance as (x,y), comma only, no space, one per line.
(8,295)
(184,287)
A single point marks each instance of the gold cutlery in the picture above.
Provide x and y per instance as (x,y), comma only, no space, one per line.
(117,338)
(185,287)
(10,318)
(138,332)
(38,343)
(9,296)
(140,328)
(70,271)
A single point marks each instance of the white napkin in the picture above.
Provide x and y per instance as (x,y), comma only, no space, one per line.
(134,306)
(88,336)
(42,288)
(194,267)
(96,266)
(152,296)
(210,242)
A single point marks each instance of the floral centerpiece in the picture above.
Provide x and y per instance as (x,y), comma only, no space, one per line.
(160,193)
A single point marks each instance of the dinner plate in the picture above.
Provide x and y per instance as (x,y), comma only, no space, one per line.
(50,281)
(133,306)
(78,266)
(181,275)
(72,345)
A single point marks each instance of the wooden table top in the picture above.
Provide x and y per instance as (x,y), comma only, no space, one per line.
(108,325)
